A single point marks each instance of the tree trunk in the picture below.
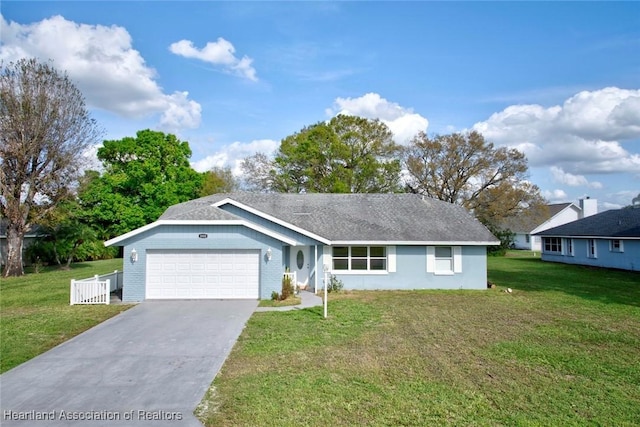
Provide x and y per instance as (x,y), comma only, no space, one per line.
(15,240)
(72,253)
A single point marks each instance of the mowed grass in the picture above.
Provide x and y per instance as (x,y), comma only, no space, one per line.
(562,349)
(35,314)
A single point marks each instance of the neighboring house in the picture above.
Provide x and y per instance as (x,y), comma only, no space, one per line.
(525,226)
(608,239)
(33,233)
(239,245)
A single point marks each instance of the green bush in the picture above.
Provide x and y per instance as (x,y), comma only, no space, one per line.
(94,250)
(335,284)
(506,238)
(43,251)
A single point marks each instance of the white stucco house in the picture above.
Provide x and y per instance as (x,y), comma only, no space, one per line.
(527,225)
(239,245)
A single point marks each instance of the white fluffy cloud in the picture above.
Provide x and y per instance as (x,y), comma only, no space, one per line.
(220,52)
(403,122)
(101,60)
(555,196)
(572,180)
(232,155)
(584,135)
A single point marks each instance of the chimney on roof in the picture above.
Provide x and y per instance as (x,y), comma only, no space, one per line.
(588,207)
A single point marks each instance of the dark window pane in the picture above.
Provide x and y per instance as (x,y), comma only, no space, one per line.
(378,251)
(378,264)
(340,264)
(359,264)
(340,251)
(300,260)
(359,251)
(443,252)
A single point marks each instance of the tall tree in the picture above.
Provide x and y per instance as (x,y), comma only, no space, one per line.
(219,180)
(45,128)
(143,177)
(465,169)
(258,172)
(348,154)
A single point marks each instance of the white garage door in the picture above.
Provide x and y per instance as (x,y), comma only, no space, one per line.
(193,274)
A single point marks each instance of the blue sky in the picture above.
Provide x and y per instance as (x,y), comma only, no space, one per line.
(558,80)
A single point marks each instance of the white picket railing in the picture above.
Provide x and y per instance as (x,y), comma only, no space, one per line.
(95,290)
(293,276)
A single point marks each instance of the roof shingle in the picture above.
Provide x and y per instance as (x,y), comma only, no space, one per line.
(613,223)
(353,217)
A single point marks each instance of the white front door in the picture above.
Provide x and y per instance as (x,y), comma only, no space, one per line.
(299,262)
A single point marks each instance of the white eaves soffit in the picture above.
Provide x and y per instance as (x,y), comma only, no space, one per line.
(255,227)
(411,243)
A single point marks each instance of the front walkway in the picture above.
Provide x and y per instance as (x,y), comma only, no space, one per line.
(308,300)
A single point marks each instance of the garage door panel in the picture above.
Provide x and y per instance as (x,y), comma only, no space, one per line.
(183,274)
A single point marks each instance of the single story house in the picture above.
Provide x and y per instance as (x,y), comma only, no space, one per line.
(525,226)
(608,239)
(239,245)
(33,233)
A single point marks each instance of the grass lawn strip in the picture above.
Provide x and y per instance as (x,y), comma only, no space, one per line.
(561,350)
(292,300)
(35,314)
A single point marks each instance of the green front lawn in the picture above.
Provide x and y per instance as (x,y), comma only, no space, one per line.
(35,314)
(562,349)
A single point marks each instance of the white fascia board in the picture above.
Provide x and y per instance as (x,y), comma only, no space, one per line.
(244,223)
(571,236)
(272,219)
(409,243)
(132,233)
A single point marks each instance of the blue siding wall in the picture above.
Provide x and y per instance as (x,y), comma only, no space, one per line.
(186,237)
(627,260)
(411,272)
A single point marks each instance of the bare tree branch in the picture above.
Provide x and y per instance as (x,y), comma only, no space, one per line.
(44,130)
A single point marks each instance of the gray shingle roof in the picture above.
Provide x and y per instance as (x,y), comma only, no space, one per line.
(353,217)
(614,223)
(197,212)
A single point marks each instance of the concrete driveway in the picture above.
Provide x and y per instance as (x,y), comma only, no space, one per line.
(148,366)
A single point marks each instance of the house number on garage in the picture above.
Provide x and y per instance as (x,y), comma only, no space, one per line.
(203,236)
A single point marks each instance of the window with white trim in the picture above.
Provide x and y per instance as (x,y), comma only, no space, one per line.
(569,246)
(616,245)
(359,258)
(444,259)
(592,251)
(553,244)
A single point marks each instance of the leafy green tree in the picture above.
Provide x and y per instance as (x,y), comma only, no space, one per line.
(465,169)
(45,128)
(348,154)
(65,238)
(219,180)
(143,176)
